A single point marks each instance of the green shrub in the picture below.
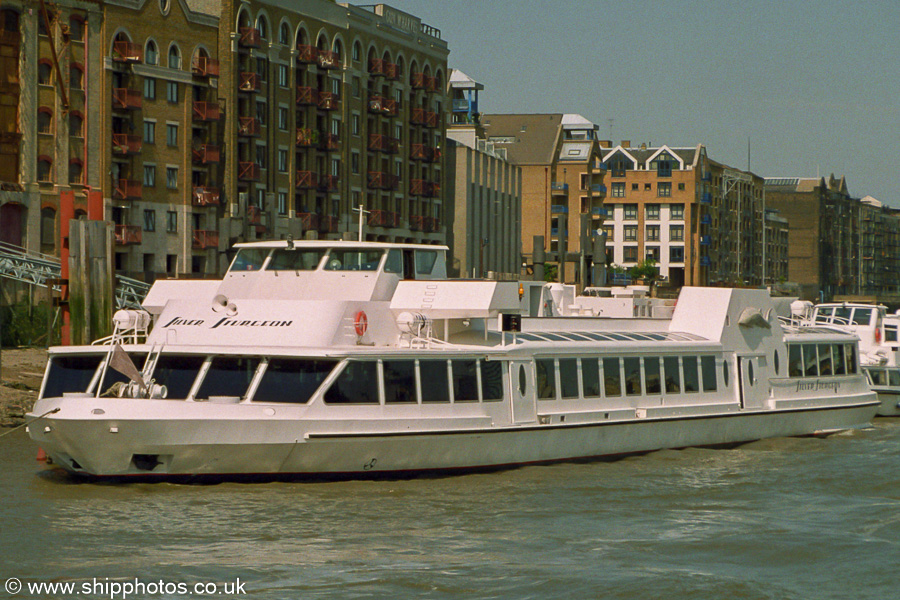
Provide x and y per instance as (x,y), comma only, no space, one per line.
(22,325)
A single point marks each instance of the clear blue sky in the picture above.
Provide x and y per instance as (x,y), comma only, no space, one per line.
(814,85)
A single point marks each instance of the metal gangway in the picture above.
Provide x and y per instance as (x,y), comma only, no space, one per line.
(43,270)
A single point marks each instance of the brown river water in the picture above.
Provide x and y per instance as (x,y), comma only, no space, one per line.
(800,518)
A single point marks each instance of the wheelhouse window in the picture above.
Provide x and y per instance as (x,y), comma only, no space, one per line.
(295,260)
(112,379)
(177,373)
(353,260)
(425,260)
(810,361)
(70,374)
(838,359)
(249,259)
(357,384)
(292,380)
(228,376)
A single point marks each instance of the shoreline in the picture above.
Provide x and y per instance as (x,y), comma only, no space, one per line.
(20,382)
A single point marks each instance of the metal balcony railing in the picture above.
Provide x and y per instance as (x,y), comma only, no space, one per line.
(204,66)
(127,235)
(202,239)
(128,189)
(205,196)
(126,99)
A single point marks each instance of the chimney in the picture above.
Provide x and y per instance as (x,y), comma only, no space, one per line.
(605,143)
(626,143)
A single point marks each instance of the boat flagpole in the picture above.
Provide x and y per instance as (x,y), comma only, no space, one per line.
(361,212)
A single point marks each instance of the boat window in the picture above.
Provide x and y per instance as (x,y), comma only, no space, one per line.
(708,368)
(425,260)
(837,359)
(249,259)
(795,361)
(295,260)
(357,384)
(823,314)
(399,381)
(553,337)
(546,379)
(862,316)
(568,377)
(177,373)
(726,369)
(878,376)
(850,355)
(652,375)
(894,375)
(491,380)
(394,262)
(465,381)
(673,375)
(435,383)
(691,379)
(825,359)
(113,377)
(890,333)
(590,377)
(71,374)
(353,260)
(842,315)
(777,360)
(633,376)
(228,376)
(810,361)
(612,378)
(292,380)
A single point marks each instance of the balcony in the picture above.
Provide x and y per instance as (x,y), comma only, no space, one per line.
(206,154)
(127,189)
(205,196)
(207,111)
(418,81)
(126,99)
(377,105)
(308,221)
(460,105)
(705,220)
(248,127)
(249,82)
(705,261)
(706,198)
(307,138)
(377,67)
(417,187)
(328,224)
(423,224)
(383,218)
(254,215)
(307,180)
(559,189)
(432,119)
(249,37)
(328,183)
(204,66)
(705,240)
(307,96)
(329,141)
(420,116)
(391,71)
(248,171)
(306,53)
(126,145)
(328,101)
(127,52)
(379,180)
(421,152)
(328,60)
(383,143)
(432,84)
(202,239)
(128,235)
(559,209)
(599,189)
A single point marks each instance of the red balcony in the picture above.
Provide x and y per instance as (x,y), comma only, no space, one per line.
(248,127)
(378,142)
(328,60)
(207,111)
(307,138)
(127,189)
(434,190)
(376,67)
(418,81)
(307,96)
(126,99)
(432,224)
(127,52)
(124,144)
(307,180)
(127,235)
(308,221)
(306,53)
(328,224)
(328,183)
(249,37)
(391,107)
(254,215)
(379,180)
(249,82)
(417,187)
(329,141)
(423,224)
(206,154)
(202,239)
(205,196)
(204,66)
(417,116)
(391,71)
(376,104)
(248,171)
(328,101)
(383,218)
(432,84)
(432,119)
(422,152)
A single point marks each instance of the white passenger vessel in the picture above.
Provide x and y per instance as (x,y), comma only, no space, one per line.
(355,358)
(879,348)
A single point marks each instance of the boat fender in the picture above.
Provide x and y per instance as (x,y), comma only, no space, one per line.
(361,323)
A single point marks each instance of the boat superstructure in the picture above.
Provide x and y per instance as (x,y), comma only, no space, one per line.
(356,358)
(878,344)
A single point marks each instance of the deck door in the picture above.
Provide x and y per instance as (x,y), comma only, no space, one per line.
(754,381)
(521,383)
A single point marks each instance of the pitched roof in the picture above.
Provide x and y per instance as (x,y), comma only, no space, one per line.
(528,139)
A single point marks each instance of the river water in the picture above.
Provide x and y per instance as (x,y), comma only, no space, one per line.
(801,518)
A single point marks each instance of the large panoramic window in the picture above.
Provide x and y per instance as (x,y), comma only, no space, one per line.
(491,380)
(249,259)
(436,387)
(568,377)
(357,384)
(353,260)
(399,381)
(292,380)
(612,378)
(465,381)
(70,374)
(546,378)
(672,375)
(590,377)
(177,373)
(708,367)
(295,260)
(691,376)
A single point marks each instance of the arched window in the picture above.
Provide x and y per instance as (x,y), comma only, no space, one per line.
(357,51)
(263,25)
(338,49)
(174,57)
(45,168)
(151,53)
(284,35)
(76,171)
(76,76)
(45,120)
(76,124)
(76,28)
(45,72)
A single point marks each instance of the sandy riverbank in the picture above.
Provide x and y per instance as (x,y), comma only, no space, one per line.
(20,380)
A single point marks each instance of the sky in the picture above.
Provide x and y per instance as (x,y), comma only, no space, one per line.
(812,87)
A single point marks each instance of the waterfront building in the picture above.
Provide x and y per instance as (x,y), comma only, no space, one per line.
(776,255)
(562,182)
(879,252)
(485,191)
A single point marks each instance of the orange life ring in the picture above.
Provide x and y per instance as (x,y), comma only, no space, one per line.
(878,335)
(361,323)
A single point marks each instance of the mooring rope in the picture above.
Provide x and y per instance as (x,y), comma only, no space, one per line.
(39,417)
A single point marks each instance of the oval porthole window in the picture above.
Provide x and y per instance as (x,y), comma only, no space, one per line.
(777,362)
(750,377)
(523,381)
(725,372)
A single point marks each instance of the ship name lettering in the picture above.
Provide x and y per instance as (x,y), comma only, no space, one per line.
(815,386)
(180,321)
(228,322)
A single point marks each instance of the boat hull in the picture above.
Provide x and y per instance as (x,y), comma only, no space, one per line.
(890,401)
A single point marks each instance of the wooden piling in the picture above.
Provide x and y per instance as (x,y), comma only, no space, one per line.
(91,280)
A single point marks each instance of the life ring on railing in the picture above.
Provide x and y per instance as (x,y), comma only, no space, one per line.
(361,323)
(878,335)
